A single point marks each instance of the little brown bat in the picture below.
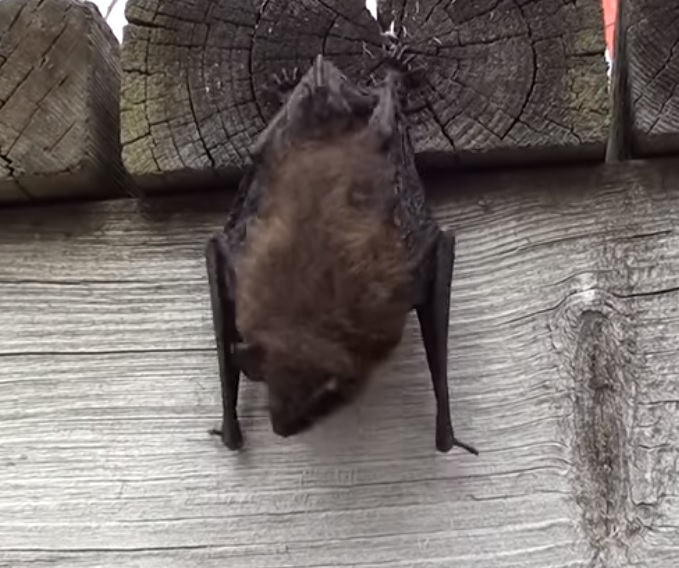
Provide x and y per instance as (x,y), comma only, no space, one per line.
(328,246)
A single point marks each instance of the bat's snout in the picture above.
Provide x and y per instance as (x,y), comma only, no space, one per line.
(285,426)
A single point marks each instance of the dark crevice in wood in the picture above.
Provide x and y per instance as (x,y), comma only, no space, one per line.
(668,97)
(111,550)
(94,282)
(16,17)
(619,143)
(534,78)
(20,81)
(253,90)
(192,107)
(651,235)
(652,293)
(437,120)
(92,352)
(14,175)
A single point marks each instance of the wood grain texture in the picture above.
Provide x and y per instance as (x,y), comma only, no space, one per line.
(563,366)
(59,101)
(505,81)
(651,37)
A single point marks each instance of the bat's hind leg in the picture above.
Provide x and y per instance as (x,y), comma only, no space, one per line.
(433,314)
(221,281)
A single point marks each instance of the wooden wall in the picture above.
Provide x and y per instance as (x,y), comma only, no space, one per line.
(563,365)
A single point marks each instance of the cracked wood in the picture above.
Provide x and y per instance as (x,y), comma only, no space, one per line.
(564,353)
(650,56)
(59,101)
(506,81)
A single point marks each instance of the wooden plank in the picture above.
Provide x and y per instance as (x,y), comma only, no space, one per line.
(564,327)
(59,101)
(650,31)
(505,81)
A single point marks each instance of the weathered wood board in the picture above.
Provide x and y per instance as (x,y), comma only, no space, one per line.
(59,101)
(505,81)
(651,61)
(564,357)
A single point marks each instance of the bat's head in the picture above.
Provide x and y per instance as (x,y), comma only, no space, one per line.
(299,395)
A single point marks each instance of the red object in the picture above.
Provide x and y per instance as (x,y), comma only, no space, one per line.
(610,14)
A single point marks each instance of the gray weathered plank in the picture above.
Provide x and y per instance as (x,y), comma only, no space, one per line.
(505,81)
(59,101)
(650,31)
(563,365)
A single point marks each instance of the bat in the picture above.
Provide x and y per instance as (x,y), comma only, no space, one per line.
(328,246)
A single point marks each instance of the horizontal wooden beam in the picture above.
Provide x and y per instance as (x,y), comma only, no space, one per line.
(505,82)
(59,102)
(564,355)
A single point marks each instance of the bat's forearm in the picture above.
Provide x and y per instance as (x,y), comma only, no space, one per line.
(220,278)
(433,314)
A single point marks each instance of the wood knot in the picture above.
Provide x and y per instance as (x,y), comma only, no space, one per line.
(594,339)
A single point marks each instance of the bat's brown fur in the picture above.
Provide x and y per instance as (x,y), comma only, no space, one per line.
(323,281)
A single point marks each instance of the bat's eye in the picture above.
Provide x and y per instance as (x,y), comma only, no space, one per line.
(338,388)
(332,386)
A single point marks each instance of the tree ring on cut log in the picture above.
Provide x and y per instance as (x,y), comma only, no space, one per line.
(649,51)
(507,80)
(500,76)
(196,73)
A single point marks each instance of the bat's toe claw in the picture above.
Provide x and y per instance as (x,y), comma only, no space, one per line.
(465,446)
(399,56)
(446,441)
(296,74)
(231,435)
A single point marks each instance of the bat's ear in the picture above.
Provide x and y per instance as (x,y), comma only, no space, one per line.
(249,358)
(383,119)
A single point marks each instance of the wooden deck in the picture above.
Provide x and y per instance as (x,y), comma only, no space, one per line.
(563,366)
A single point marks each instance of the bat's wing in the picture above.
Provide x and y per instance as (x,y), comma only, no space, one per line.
(431,253)
(418,228)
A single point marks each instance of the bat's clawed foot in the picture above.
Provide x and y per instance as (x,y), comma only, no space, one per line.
(469,448)
(282,84)
(285,81)
(398,57)
(230,434)
(446,440)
